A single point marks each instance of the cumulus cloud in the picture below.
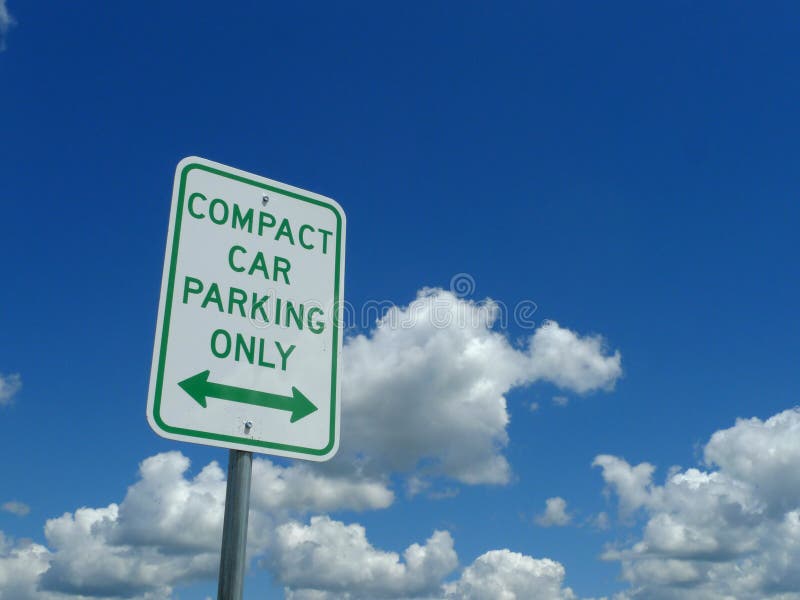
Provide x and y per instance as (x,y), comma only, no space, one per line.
(9,386)
(166,532)
(632,484)
(314,488)
(21,565)
(167,529)
(86,561)
(423,398)
(731,530)
(765,454)
(424,392)
(165,508)
(506,575)
(555,513)
(570,361)
(16,508)
(327,558)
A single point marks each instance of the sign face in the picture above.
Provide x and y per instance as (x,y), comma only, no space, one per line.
(248,336)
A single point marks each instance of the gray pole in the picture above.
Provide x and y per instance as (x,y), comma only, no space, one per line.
(232,559)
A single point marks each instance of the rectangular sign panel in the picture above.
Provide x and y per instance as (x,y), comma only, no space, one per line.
(248,337)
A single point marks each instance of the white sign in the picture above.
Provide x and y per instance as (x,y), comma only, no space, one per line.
(248,337)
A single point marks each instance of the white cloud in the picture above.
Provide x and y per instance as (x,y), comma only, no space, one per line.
(506,575)
(166,532)
(303,488)
(6,21)
(555,513)
(330,559)
(632,484)
(763,453)
(560,400)
(9,384)
(425,393)
(166,509)
(168,528)
(732,531)
(290,594)
(423,396)
(570,361)
(85,561)
(16,508)
(21,565)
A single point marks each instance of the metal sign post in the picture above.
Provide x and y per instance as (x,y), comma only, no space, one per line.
(233,559)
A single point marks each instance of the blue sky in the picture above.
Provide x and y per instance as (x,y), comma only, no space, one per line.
(630,169)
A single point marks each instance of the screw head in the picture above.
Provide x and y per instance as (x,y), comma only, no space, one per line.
(248,424)
(264,200)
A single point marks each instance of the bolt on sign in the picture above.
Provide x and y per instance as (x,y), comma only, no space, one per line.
(248,337)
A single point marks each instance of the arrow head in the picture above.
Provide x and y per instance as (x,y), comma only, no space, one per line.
(195,386)
(302,406)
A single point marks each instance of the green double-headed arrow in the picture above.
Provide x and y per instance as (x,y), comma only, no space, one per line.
(199,387)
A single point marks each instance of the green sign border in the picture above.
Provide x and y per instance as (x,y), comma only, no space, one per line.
(168,309)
